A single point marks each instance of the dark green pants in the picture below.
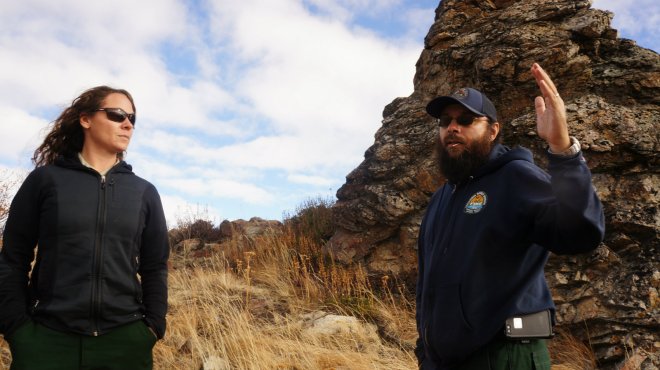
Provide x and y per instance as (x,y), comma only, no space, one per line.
(503,354)
(36,347)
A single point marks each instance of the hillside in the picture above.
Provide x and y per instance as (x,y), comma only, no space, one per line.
(267,297)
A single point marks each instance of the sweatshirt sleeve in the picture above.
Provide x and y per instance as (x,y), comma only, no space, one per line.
(154,253)
(568,217)
(18,246)
(419,345)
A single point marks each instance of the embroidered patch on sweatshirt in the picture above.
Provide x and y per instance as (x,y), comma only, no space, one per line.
(476,203)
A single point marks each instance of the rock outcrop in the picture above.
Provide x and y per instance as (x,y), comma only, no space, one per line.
(238,234)
(254,227)
(611,88)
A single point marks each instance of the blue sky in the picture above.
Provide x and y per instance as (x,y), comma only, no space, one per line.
(245,108)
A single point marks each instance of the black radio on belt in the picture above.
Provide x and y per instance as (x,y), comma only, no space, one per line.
(530,326)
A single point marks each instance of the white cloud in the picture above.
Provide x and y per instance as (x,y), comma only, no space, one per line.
(637,20)
(418,21)
(21,134)
(313,78)
(179,210)
(150,167)
(220,188)
(312,180)
(94,24)
(258,88)
(346,9)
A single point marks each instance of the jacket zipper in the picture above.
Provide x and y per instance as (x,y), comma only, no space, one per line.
(96,272)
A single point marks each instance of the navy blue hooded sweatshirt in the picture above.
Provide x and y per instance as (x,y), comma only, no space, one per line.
(483,244)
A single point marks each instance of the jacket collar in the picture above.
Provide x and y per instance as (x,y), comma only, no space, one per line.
(499,156)
(73,162)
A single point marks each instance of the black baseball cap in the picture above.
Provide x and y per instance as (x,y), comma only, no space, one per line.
(473,100)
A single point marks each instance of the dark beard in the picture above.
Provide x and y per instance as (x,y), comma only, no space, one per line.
(458,169)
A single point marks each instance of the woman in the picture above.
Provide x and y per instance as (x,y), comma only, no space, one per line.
(97,294)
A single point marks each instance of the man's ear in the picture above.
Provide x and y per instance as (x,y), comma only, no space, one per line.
(494,130)
(85,121)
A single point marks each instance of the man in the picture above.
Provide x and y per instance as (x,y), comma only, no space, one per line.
(487,232)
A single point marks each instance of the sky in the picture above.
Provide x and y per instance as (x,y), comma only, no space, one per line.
(244,108)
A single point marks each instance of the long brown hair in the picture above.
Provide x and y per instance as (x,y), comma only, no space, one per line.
(66,135)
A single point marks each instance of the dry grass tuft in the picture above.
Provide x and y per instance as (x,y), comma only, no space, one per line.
(569,353)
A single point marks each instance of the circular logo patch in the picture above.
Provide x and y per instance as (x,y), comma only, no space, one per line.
(476,203)
(461,93)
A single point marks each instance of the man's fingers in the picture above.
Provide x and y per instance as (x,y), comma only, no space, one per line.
(548,88)
(546,91)
(539,104)
(553,98)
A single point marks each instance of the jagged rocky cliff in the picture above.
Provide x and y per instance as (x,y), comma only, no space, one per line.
(611,88)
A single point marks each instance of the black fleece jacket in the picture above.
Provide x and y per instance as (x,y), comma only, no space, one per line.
(102,253)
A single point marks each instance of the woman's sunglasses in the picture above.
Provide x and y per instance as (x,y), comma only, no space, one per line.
(463,120)
(117,115)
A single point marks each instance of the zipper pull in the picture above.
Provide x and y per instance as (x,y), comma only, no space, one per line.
(102,181)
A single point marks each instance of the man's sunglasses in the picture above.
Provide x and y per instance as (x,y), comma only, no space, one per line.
(463,120)
(117,115)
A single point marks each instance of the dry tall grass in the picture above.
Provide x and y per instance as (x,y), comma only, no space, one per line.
(245,307)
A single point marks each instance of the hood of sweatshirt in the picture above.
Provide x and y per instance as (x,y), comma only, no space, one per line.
(72,162)
(499,156)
